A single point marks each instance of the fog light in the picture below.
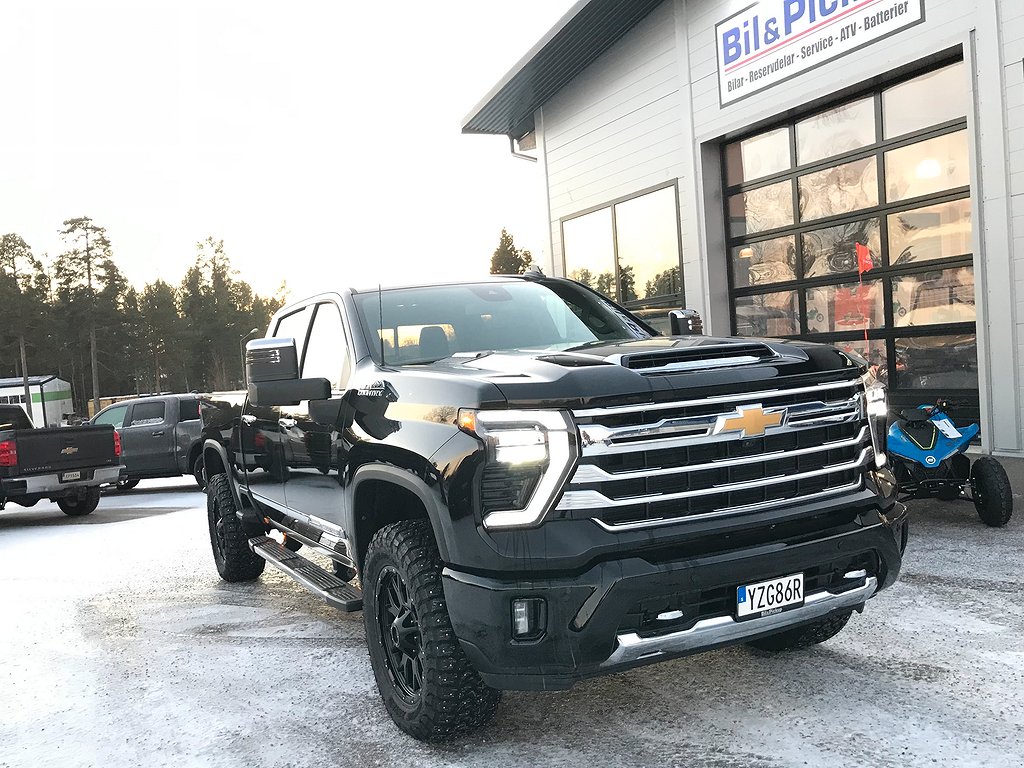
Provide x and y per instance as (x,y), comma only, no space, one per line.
(529,618)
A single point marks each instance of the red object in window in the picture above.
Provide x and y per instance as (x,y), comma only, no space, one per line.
(117,443)
(8,453)
(863,259)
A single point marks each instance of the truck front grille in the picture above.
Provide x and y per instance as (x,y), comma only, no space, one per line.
(654,464)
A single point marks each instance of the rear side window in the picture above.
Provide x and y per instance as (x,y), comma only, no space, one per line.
(14,418)
(114,416)
(147,413)
(294,326)
(188,410)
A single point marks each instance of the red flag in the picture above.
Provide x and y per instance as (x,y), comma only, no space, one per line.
(863,259)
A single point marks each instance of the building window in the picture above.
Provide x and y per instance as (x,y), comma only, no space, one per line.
(852,226)
(629,251)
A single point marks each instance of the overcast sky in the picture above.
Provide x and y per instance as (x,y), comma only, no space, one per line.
(321,141)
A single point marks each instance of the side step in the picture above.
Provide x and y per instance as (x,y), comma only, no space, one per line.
(338,593)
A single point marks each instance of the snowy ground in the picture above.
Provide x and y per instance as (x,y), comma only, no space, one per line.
(121,647)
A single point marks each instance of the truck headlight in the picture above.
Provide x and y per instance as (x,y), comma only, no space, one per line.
(529,455)
(876,407)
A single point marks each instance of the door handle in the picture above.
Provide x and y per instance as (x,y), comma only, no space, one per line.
(248,419)
(287,423)
(158,434)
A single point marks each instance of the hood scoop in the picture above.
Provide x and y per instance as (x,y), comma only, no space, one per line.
(696,357)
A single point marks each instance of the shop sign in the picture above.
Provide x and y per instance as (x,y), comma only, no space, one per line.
(774,40)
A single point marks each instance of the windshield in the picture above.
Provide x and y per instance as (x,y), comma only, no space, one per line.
(421,325)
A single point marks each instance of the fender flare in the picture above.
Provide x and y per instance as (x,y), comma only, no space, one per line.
(213,446)
(410,482)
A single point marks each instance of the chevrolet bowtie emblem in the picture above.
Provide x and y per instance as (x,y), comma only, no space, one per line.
(751,420)
(69,450)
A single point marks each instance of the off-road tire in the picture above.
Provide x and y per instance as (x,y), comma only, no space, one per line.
(230,544)
(803,636)
(127,484)
(990,489)
(198,472)
(80,506)
(452,699)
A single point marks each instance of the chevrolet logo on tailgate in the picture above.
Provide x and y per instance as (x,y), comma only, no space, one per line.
(69,451)
(751,420)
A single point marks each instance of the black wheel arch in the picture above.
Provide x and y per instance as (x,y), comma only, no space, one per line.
(381,494)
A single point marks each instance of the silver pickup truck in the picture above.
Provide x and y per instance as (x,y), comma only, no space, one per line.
(63,464)
(160,436)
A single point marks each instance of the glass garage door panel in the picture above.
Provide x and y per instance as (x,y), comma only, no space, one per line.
(854,228)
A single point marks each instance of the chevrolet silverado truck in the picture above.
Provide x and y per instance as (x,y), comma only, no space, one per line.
(522,485)
(160,437)
(66,465)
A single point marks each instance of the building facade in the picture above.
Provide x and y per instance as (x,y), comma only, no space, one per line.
(847,171)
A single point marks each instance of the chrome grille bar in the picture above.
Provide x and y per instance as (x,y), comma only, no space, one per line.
(635,525)
(742,397)
(573,500)
(589,473)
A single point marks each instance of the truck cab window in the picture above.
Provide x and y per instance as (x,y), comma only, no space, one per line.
(147,414)
(327,351)
(294,326)
(113,416)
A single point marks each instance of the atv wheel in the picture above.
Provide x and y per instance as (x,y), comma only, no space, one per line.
(235,561)
(127,484)
(428,686)
(79,506)
(990,488)
(803,636)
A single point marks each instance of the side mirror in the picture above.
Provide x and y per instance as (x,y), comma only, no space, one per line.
(685,322)
(289,392)
(272,368)
(271,360)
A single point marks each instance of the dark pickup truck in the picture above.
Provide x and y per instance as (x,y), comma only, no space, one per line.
(522,485)
(63,464)
(160,435)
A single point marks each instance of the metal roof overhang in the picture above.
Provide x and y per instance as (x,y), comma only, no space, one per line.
(584,33)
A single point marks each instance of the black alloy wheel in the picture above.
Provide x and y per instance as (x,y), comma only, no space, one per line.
(400,634)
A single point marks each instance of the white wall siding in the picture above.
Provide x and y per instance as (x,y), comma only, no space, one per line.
(616,129)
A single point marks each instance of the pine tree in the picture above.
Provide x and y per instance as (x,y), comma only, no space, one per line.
(509,260)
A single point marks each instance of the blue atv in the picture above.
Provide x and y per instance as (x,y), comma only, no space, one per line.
(928,458)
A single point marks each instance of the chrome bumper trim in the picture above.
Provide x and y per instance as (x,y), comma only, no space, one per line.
(721,629)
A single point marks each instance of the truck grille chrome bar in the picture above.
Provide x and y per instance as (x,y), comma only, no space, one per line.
(656,464)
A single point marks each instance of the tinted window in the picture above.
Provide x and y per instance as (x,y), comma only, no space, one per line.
(14,418)
(188,410)
(590,250)
(327,352)
(294,326)
(148,413)
(488,317)
(114,416)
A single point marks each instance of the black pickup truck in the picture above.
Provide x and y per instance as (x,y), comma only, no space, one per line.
(522,485)
(63,464)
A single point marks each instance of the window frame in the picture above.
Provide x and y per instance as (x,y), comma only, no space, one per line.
(674,300)
(886,272)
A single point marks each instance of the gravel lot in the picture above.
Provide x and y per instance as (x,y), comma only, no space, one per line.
(123,648)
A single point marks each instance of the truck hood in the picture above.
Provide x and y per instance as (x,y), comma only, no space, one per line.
(646,370)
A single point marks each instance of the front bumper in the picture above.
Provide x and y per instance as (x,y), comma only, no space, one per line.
(608,618)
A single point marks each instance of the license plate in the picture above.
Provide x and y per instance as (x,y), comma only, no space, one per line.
(68,476)
(767,597)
